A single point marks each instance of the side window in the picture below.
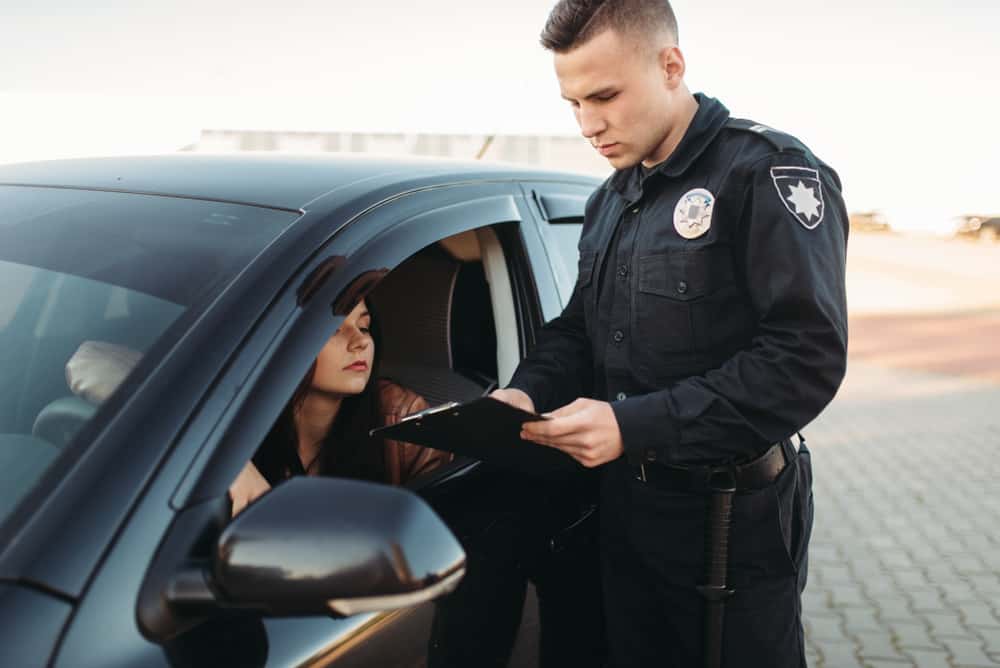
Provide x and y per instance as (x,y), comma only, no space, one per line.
(560,208)
(561,238)
(438,327)
(440,311)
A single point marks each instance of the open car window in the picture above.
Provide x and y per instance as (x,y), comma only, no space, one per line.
(436,342)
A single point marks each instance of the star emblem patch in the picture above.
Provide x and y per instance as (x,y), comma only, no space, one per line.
(801,192)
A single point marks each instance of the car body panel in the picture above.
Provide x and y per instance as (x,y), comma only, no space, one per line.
(93,539)
(292,182)
(32,622)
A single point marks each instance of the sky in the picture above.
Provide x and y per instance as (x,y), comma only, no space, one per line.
(901,97)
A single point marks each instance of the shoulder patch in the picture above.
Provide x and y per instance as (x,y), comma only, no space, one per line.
(801,191)
(778,139)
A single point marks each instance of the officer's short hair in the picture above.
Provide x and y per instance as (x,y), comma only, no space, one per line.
(574,22)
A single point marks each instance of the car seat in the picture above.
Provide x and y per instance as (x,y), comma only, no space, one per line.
(421,317)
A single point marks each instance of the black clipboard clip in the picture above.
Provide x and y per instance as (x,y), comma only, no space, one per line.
(433,410)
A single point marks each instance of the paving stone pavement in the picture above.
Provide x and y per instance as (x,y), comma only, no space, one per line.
(905,554)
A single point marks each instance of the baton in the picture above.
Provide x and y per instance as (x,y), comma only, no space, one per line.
(718,527)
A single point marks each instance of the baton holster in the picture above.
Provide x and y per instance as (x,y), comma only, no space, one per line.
(718,526)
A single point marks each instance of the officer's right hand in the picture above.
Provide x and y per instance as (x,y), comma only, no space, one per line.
(516,398)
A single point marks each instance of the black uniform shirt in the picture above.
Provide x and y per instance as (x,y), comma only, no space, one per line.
(709,308)
(613,298)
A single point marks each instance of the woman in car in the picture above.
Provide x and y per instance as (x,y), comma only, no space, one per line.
(324,428)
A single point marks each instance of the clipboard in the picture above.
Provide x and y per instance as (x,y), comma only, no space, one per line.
(486,429)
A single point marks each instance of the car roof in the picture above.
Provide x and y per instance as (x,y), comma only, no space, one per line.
(275,180)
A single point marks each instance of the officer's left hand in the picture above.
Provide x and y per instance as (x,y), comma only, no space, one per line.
(586,429)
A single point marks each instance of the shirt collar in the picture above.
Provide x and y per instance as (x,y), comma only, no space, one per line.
(705,125)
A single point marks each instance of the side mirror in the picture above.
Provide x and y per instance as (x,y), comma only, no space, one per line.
(314,546)
(311,546)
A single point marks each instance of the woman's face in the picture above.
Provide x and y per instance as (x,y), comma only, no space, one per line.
(345,362)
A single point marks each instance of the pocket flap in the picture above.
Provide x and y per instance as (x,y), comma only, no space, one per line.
(685,275)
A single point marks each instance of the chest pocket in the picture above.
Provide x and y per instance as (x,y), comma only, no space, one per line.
(681,295)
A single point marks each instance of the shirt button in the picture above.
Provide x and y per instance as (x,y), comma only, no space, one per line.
(619,336)
(682,287)
(650,455)
(620,396)
(623,270)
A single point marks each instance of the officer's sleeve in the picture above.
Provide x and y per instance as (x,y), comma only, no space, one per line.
(559,368)
(796,361)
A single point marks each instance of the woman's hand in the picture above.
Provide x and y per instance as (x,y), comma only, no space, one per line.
(249,484)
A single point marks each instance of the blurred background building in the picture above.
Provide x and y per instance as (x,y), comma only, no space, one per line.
(560,152)
(548,151)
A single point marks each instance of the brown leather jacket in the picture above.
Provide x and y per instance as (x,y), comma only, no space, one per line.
(404,461)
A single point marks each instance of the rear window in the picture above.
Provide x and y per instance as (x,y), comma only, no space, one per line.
(89,282)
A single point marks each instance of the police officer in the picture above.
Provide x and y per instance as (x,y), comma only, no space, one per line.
(707,326)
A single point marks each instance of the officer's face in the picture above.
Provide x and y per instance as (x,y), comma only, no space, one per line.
(624,95)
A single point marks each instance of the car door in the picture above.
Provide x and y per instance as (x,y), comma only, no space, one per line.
(469,497)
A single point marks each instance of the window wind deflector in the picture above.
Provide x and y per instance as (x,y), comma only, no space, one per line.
(561,208)
(317,277)
(358,290)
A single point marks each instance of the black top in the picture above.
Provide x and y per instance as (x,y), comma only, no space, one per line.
(710,306)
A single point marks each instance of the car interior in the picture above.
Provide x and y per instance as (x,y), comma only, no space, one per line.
(439,310)
(113,277)
(449,326)
(54,314)
(87,311)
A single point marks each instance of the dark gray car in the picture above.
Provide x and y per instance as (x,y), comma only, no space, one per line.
(226,275)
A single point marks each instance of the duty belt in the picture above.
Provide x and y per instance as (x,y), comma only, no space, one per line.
(754,474)
(720,484)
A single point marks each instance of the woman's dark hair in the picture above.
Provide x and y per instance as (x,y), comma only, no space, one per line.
(347,450)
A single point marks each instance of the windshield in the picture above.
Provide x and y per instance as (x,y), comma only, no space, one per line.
(89,282)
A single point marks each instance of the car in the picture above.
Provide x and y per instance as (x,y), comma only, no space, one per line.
(225,274)
(978,226)
(869,221)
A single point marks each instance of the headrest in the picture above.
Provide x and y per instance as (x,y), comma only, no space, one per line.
(97,368)
(414,307)
(93,373)
(60,420)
